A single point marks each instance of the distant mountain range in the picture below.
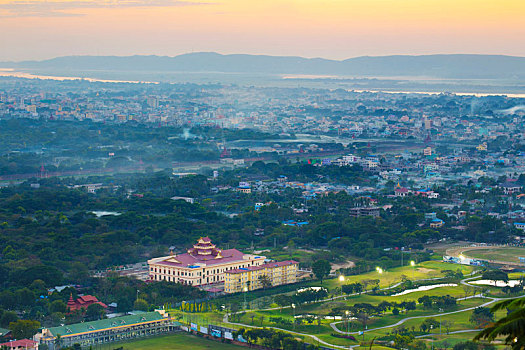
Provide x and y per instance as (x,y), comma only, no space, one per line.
(431,66)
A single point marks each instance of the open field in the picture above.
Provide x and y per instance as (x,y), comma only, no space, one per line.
(424,270)
(504,254)
(175,341)
(497,254)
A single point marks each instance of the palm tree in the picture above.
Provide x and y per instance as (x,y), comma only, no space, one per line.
(58,341)
(512,326)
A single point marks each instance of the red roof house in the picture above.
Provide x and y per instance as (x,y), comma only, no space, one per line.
(83,302)
(20,344)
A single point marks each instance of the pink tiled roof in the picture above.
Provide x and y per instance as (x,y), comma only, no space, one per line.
(228,255)
(265,266)
(20,343)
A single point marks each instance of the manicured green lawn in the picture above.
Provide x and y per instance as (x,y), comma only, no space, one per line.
(175,341)
(426,269)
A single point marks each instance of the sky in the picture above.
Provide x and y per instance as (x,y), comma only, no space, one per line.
(337,29)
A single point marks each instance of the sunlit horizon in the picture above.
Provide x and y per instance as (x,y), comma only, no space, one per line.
(333,29)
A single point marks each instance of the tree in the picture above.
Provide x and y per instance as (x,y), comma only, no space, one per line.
(283,300)
(402,341)
(481,316)
(58,306)
(495,276)
(428,324)
(23,329)
(469,345)
(58,341)
(409,306)
(265,281)
(7,318)
(95,312)
(321,269)
(79,272)
(418,344)
(512,326)
(468,289)
(363,318)
(141,304)
(447,324)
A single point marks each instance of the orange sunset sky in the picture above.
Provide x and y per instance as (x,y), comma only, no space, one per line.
(35,29)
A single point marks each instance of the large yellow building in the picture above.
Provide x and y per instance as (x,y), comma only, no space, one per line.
(203,264)
(254,277)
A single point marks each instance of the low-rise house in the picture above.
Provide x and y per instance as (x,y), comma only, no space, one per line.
(22,344)
(186,199)
(401,192)
(520,225)
(437,223)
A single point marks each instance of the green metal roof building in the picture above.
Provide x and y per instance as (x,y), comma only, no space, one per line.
(3,332)
(108,330)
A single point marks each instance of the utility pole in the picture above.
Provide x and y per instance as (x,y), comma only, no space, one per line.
(432,335)
(441,311)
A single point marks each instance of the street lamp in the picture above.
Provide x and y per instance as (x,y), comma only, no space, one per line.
(245,289)
(347,324)
(341,279)
(413,264)
(462,257)
(432,335)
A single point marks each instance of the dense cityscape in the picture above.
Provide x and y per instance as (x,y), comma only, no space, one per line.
(271,175)
(110,192)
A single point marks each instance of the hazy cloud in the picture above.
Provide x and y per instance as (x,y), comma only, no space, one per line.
(35,8)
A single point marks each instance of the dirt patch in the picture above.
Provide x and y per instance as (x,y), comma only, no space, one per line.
(424,270)
(346,265)
(305,250)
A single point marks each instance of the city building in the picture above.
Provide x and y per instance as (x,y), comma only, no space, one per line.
(91,334)
(204,263)
(255,277)
(364,211)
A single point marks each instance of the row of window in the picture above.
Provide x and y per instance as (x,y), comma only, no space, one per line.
(199,273)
